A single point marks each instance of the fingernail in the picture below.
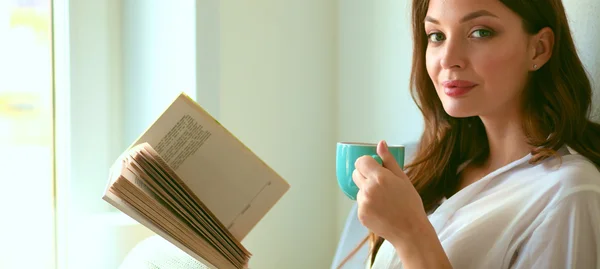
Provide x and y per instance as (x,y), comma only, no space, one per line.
(385,145)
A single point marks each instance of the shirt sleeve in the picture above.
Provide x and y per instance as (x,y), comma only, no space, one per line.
(569,237)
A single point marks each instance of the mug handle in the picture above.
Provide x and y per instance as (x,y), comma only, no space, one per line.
(377,159)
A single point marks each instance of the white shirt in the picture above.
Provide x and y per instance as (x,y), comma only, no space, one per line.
(521,216)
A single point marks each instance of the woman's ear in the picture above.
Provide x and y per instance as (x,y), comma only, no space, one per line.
(541,45)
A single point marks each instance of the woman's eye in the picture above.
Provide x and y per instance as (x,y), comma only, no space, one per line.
(436,37)
(482,33)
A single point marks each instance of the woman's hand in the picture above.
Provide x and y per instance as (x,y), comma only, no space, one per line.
(391,207)
(388,204)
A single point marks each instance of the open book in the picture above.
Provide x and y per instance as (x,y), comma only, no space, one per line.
(188,179)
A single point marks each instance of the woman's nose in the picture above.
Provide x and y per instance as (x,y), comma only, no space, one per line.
(453,54)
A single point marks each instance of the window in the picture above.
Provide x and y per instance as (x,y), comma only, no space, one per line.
(26,135)
(68,68)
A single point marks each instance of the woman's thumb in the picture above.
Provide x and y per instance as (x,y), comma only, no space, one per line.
(389,161)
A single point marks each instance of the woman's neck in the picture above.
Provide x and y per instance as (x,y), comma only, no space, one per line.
(507,141)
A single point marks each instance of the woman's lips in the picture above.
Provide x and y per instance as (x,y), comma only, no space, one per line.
(456,88)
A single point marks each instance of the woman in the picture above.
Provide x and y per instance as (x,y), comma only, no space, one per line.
(506,174)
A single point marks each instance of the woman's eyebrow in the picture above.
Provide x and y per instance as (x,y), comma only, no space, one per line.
(468,17)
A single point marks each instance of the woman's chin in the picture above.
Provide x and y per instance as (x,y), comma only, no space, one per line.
(459,111)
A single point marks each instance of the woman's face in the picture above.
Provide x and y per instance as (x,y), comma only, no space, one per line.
(478,56)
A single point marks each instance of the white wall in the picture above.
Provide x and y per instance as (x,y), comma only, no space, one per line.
(208,55)
(278,96)
(375,53)
(585,26)
(158,59)
(89,133)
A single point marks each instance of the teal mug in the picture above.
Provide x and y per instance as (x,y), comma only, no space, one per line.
(346,155)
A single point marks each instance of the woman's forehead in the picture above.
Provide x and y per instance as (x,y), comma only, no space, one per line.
(457,9)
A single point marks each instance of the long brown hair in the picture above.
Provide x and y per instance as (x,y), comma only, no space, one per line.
(557,107)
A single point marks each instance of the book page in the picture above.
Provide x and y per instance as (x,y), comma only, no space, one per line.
(177,186)
(177,200)
(237,186)
(134,192)
(126,208)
